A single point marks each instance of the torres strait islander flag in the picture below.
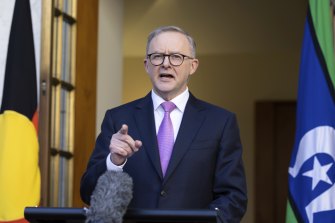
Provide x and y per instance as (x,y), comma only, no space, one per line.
(19,171)
(312,166)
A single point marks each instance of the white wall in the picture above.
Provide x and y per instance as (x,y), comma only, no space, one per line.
(110,51)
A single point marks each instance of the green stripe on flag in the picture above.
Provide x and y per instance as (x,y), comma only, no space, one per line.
(321,11)
(290,217)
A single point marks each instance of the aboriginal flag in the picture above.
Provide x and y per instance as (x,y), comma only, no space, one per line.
(19,171)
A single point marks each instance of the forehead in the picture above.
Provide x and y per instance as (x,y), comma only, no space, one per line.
(167,42)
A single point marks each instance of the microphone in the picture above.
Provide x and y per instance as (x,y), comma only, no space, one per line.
(110,198)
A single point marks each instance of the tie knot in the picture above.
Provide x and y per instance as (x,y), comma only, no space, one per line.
(168,106)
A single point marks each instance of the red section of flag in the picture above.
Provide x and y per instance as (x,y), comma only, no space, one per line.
(16,221)
(35,121)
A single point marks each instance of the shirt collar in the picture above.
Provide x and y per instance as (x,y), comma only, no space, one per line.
(180,101)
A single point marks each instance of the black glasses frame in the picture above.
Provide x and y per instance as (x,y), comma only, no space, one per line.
(169,56)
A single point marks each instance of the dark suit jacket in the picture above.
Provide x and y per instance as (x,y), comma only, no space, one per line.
(205,169)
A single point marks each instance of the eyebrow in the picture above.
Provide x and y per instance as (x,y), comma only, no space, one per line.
(173,52)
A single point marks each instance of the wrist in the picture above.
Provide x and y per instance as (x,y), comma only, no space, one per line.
(118,161)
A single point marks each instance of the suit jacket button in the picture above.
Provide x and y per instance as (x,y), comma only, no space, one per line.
(163,193)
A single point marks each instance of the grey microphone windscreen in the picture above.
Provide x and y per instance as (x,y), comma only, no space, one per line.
(110,198)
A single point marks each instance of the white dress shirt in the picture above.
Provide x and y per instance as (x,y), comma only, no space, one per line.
(176,116)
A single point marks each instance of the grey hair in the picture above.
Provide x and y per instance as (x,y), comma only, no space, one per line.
(163,29)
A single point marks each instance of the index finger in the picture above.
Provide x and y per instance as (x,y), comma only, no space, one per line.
(124,129)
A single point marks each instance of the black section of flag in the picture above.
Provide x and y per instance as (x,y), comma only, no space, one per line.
(20,89)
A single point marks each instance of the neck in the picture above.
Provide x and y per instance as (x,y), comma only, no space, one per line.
(168,96)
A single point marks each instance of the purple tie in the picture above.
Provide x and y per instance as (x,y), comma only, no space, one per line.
(165,136)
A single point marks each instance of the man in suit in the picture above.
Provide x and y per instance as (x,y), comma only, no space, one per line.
(193,160)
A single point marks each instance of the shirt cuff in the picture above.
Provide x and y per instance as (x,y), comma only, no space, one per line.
(111,166)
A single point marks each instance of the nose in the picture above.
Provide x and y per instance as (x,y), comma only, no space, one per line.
(166,61)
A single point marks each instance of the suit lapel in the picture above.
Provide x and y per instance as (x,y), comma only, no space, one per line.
(192,120)
(146,125)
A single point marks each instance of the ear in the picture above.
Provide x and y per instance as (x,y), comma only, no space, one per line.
(146,64)
(194,66)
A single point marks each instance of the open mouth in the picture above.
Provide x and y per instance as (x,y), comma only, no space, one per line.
(166,76)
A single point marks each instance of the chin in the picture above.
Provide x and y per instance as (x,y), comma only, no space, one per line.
(164,88)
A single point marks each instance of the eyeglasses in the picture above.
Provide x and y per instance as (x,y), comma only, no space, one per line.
(175,59)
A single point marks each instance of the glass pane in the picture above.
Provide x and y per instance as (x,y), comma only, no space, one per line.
(62,108)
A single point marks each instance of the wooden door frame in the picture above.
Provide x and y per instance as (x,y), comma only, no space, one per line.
(85,93)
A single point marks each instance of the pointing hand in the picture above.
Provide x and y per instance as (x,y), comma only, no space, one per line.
(123,146)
